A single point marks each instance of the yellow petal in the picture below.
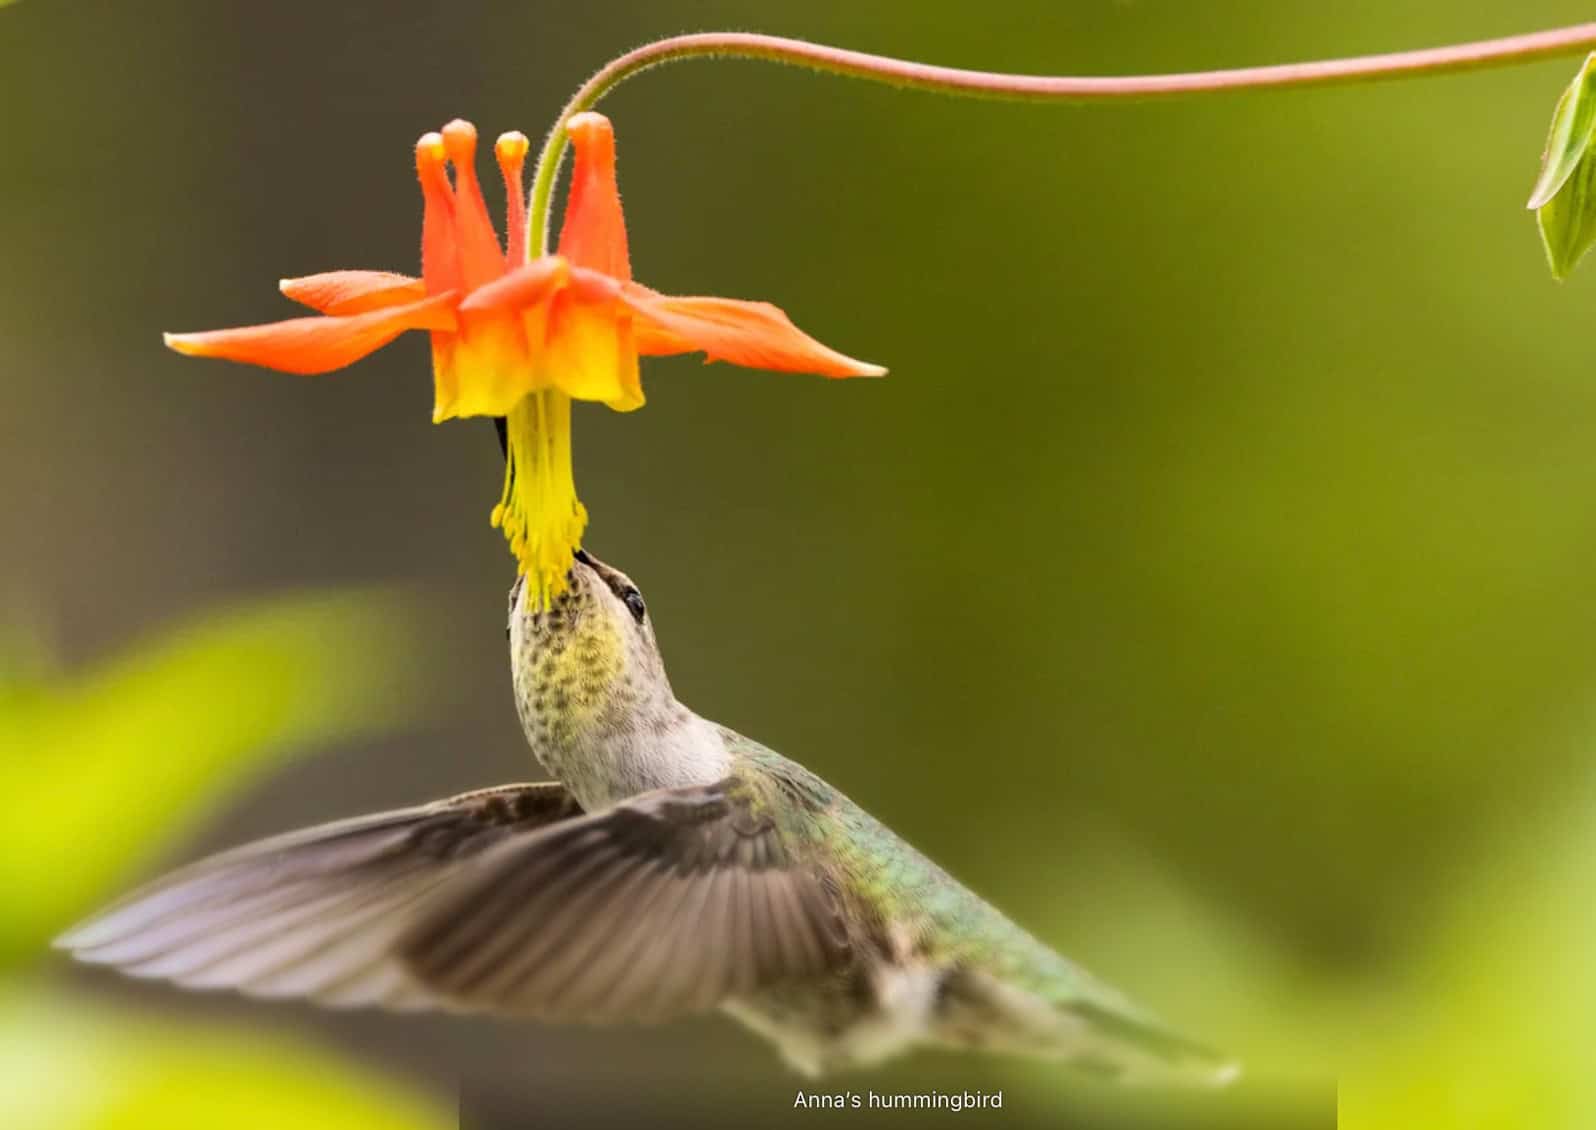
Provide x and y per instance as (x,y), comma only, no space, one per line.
(483,370)
(589,352)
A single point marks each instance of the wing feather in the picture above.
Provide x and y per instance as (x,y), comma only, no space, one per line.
(666,904)
(314,913)
(506,900)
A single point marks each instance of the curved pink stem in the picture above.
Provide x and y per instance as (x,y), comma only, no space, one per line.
(1042,88)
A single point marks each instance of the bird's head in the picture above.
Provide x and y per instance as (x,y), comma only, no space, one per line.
(587,666)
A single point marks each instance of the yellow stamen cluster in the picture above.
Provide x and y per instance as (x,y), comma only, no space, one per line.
(538,510)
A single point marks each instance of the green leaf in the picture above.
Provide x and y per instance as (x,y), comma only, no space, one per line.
(100,772)
(1564,198)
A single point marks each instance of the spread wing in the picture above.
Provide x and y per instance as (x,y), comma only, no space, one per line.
(313,913)
(667,904)
(506,900)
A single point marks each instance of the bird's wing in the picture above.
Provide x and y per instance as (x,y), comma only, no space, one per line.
(666,904)
(314,913)
(506,900)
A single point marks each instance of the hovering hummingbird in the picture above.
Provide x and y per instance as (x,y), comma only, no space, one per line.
(676,866)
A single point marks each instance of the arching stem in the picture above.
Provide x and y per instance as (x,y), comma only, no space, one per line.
(1034,88)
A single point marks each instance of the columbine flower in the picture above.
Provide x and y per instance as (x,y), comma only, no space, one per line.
(519,338)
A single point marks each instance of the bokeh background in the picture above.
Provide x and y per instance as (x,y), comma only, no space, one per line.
(1212,584)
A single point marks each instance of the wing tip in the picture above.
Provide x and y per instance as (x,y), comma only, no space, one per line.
(77,941)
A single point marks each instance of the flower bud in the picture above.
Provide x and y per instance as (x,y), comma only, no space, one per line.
(1564,199)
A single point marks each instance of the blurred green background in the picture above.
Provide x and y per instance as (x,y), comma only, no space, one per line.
(1210,584)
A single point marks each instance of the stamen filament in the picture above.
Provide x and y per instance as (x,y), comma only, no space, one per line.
(538,509)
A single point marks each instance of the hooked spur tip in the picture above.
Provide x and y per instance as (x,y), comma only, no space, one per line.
(430,146)
(589,125)
(460,141)
(511,146)
(594,138)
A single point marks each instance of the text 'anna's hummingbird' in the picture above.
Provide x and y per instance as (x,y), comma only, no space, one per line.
(675,867)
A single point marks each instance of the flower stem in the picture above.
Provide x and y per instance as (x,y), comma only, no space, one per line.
(1034,88)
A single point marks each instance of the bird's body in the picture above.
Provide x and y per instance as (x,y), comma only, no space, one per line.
(676,866)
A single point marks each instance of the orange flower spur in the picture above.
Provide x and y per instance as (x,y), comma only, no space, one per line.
(518,337)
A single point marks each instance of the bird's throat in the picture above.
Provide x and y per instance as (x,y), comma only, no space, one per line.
(597,714)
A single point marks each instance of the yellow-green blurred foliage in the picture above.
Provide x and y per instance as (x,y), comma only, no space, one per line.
(1495,1011)
(69,1065)
(1211,583)
(105,768)
(100,771)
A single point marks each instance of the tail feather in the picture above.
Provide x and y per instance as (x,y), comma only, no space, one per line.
(1105,1038)
(1150,1050)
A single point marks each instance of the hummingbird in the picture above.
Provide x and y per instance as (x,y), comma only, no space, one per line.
(674,867)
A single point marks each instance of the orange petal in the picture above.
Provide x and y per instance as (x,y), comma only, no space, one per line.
(755,334)
(317,345)
(510,150)
(525,286)
(481,257)
(440,243)
(594,232)
(353,292)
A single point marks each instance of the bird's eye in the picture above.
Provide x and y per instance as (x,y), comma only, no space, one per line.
(634,603)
